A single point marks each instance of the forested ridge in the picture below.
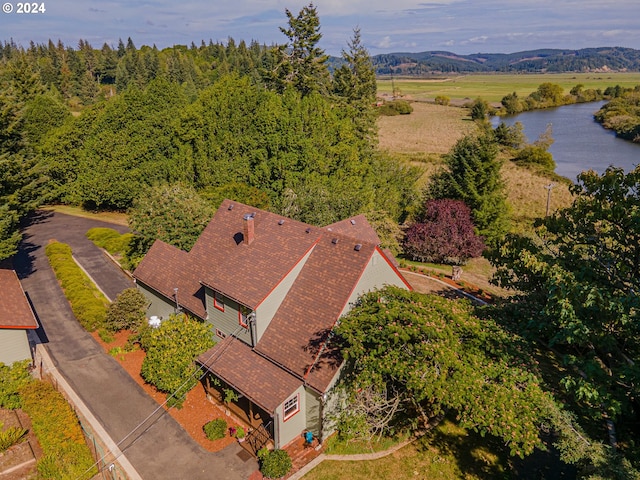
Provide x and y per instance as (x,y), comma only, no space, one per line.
(531,61)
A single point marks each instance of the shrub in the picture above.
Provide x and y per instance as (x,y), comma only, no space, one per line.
(66,454)
(215,429)
(111,240)
(127,312)
(274,463)
(444,234)
(538,156)
(442,100)
(171,350)
(87,302)
(395,107)
(12,379)
(10,437)
(105,335)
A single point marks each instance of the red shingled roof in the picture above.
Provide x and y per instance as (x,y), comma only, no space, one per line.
(15,311)
(293,348)
(311,308)
(357,228)
(166,267)
(248,273)
(259,379)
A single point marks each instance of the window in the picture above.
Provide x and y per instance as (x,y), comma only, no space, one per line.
(243,316)
(220,333)
(218,301)
(291,407)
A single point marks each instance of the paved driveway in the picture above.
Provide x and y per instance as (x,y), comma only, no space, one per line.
(159,448)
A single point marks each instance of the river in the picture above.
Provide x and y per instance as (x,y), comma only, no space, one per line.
(580,143)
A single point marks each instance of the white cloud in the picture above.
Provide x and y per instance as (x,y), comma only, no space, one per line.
(497,25)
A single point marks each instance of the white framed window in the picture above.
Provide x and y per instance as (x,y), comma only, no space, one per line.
(291,407)
(218,301)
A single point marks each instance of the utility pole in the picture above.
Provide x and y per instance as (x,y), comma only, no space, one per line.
(549,187)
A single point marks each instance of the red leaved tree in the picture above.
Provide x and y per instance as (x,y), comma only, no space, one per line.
(444,234)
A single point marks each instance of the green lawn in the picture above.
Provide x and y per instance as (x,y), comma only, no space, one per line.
(117,218)
(495,86)
(447,452)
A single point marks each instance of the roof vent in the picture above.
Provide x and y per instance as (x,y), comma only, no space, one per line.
(230,207)
(308,230)
(357,247)
(353,222)
(281,221)
(334,241)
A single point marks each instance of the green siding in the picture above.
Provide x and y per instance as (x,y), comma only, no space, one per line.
(14,346)
(227,322)
(313,414)
(159,305)
(292,428)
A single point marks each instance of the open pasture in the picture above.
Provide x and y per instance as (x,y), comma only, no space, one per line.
(492,87)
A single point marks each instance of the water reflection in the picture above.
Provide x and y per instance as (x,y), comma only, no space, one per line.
(580,142)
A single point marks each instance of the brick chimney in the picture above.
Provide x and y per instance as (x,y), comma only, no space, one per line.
(248,232)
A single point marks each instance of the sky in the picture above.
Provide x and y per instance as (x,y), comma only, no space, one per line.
(458,26)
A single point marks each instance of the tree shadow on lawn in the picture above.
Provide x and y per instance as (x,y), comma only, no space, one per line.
(487,457)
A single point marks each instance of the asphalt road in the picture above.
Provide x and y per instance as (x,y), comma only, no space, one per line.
(155,444)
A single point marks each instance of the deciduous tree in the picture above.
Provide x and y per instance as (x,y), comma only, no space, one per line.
(580,280)
(413,356)
(175,214)
(444,234)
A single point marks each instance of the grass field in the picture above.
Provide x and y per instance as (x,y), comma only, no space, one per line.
(493,87)
(433,456)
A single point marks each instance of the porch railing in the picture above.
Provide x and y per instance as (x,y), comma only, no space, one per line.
(259,437)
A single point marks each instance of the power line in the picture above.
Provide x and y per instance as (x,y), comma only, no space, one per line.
(202,366)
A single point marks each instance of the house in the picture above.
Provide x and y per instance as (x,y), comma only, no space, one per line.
(272,289)
(16,319)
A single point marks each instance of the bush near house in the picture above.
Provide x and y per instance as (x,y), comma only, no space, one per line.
(215,429)
(171,349)
(274,463)
(111,240)
(89,305)
(12,379)
(127,312)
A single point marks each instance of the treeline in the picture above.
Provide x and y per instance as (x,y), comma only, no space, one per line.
(550,95)
(622,113)
(534,61)
(85,75)
(273,125)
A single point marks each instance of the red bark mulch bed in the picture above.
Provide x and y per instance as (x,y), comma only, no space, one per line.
(196,410)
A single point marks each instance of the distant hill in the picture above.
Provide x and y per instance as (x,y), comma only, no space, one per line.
(601,59)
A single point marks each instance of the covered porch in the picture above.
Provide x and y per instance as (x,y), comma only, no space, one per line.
(253,389)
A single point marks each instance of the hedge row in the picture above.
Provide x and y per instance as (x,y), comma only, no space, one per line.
(65,452)
(89,305)
(111,240)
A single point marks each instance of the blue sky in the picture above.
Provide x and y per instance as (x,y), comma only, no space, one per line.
(459,26)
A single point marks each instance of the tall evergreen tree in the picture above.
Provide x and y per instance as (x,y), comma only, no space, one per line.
(354,83)
(300,63)
(472,174)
